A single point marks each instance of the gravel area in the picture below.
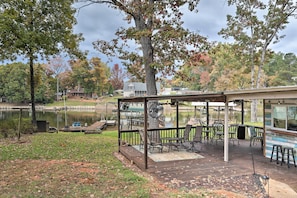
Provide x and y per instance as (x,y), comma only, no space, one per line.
(245,185)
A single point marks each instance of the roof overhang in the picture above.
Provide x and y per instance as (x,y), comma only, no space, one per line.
(262,93)
(204,97)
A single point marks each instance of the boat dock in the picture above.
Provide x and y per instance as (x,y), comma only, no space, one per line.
(95,128)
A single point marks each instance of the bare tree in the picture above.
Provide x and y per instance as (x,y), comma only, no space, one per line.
(57,65)
(117,77)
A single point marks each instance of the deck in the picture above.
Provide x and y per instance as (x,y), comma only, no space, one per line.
(94,128)
(212,172)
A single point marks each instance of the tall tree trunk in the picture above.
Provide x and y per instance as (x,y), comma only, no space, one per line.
(32,84)
(150,79)
(148,57)
(254,102)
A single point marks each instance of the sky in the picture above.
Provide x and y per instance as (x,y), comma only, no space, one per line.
(97,21)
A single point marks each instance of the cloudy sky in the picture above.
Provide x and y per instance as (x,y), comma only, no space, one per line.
(100,22)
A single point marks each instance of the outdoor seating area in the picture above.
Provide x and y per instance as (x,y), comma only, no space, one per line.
(189,138)
(198,168)
(250,146)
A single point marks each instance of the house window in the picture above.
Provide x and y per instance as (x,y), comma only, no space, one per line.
(292,118)
(279,117)
(285,117)
(131,87)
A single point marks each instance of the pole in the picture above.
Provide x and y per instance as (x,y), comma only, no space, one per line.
(57,88)
(145,134)
(226,136)
(106,111)
(20,122)
(242,112)
(65,110)
(57,112)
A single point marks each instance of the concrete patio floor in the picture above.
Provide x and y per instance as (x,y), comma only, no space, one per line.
(211,171)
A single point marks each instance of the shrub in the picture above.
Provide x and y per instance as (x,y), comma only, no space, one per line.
(9,128)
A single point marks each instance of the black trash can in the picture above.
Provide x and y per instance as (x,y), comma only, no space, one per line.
(42,126)
(241,132)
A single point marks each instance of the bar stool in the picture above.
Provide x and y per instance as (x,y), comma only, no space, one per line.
(288,150)
(279,150)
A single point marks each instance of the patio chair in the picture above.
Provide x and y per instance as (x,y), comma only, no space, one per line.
(197,138)
(254,136)
(151,144)
(232,130)
(186,136)
(218,132)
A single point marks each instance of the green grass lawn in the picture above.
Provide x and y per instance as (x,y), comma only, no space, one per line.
(66,165)
(84,102)
(73,103)
(73,165)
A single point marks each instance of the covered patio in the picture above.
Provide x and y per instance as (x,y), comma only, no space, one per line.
(222,161)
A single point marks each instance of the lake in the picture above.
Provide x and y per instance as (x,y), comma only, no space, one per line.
(61,119)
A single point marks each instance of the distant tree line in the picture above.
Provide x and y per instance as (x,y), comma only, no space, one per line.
(94,76)
(226,68)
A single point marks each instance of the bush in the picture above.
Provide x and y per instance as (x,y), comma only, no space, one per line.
(9,128)
(27,127)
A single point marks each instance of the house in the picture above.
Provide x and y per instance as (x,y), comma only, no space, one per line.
(136,89)
(79,92)
(3,99)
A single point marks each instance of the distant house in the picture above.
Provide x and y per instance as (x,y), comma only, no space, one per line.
(77,93)
(132,89)
(3,99)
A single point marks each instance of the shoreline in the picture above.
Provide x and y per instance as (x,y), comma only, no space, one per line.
(55,108)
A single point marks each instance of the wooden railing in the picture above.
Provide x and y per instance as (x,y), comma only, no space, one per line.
(132,137)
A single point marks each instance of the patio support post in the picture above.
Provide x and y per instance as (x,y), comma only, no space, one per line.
(177,120)
(145,134)
(264,129)
(207,114)
(242,112)
(119,125)
(226,134)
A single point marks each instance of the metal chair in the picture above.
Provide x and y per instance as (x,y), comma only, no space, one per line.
(218,132)
(254,136)
(232,130)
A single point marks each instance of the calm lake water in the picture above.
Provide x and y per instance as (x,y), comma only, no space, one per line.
(61,118)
